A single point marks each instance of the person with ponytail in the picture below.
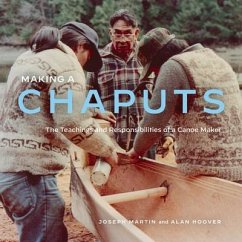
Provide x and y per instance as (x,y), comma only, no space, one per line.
(34,141)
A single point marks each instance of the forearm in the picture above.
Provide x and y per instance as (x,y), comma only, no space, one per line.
(171,77)
(80,128)
(144,140)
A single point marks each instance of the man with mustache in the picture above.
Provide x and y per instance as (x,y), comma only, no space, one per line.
(121,71)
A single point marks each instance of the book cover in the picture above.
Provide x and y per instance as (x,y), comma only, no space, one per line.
(143,199)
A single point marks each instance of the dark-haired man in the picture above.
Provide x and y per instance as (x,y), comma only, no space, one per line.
(121,71)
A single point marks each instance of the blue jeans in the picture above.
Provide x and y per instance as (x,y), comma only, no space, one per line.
(35,205)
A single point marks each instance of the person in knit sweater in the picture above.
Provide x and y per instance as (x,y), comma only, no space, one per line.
(206,143)
(35,147)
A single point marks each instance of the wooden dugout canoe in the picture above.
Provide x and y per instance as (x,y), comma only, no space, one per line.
(195,209)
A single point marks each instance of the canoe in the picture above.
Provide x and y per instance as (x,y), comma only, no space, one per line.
(129,207)
(174,208)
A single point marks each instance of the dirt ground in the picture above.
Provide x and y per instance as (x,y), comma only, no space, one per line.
(76,232)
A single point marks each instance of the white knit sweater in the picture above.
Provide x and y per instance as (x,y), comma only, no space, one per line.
(27,141)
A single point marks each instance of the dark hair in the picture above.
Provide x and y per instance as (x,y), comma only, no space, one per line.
(72,38)
(173,47)
(125,15)
(46,38)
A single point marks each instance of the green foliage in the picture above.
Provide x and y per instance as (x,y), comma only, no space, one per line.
(7,20)
(158,13)
(19,19)
(209,21)
(100,20)
(65,11)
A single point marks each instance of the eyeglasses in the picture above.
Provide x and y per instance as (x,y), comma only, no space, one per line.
(118,33)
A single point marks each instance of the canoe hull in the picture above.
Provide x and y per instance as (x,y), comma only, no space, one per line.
(89,209)
(195,209)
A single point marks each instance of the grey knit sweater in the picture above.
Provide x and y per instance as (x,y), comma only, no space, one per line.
(207,144)
(38,142)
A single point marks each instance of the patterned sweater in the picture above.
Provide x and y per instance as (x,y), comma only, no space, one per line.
(38,142)
(207,144)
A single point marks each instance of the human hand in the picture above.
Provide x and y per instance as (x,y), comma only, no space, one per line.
(168,142)
(132,154)
(108,116)
(113,159)
(166,146)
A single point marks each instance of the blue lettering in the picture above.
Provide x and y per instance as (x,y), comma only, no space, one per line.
(117,104)
(87,103)
(21,101)
(184,97)
(67,100)
(162,105)
(214,101)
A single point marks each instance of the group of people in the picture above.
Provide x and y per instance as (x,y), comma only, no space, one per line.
(31,156)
